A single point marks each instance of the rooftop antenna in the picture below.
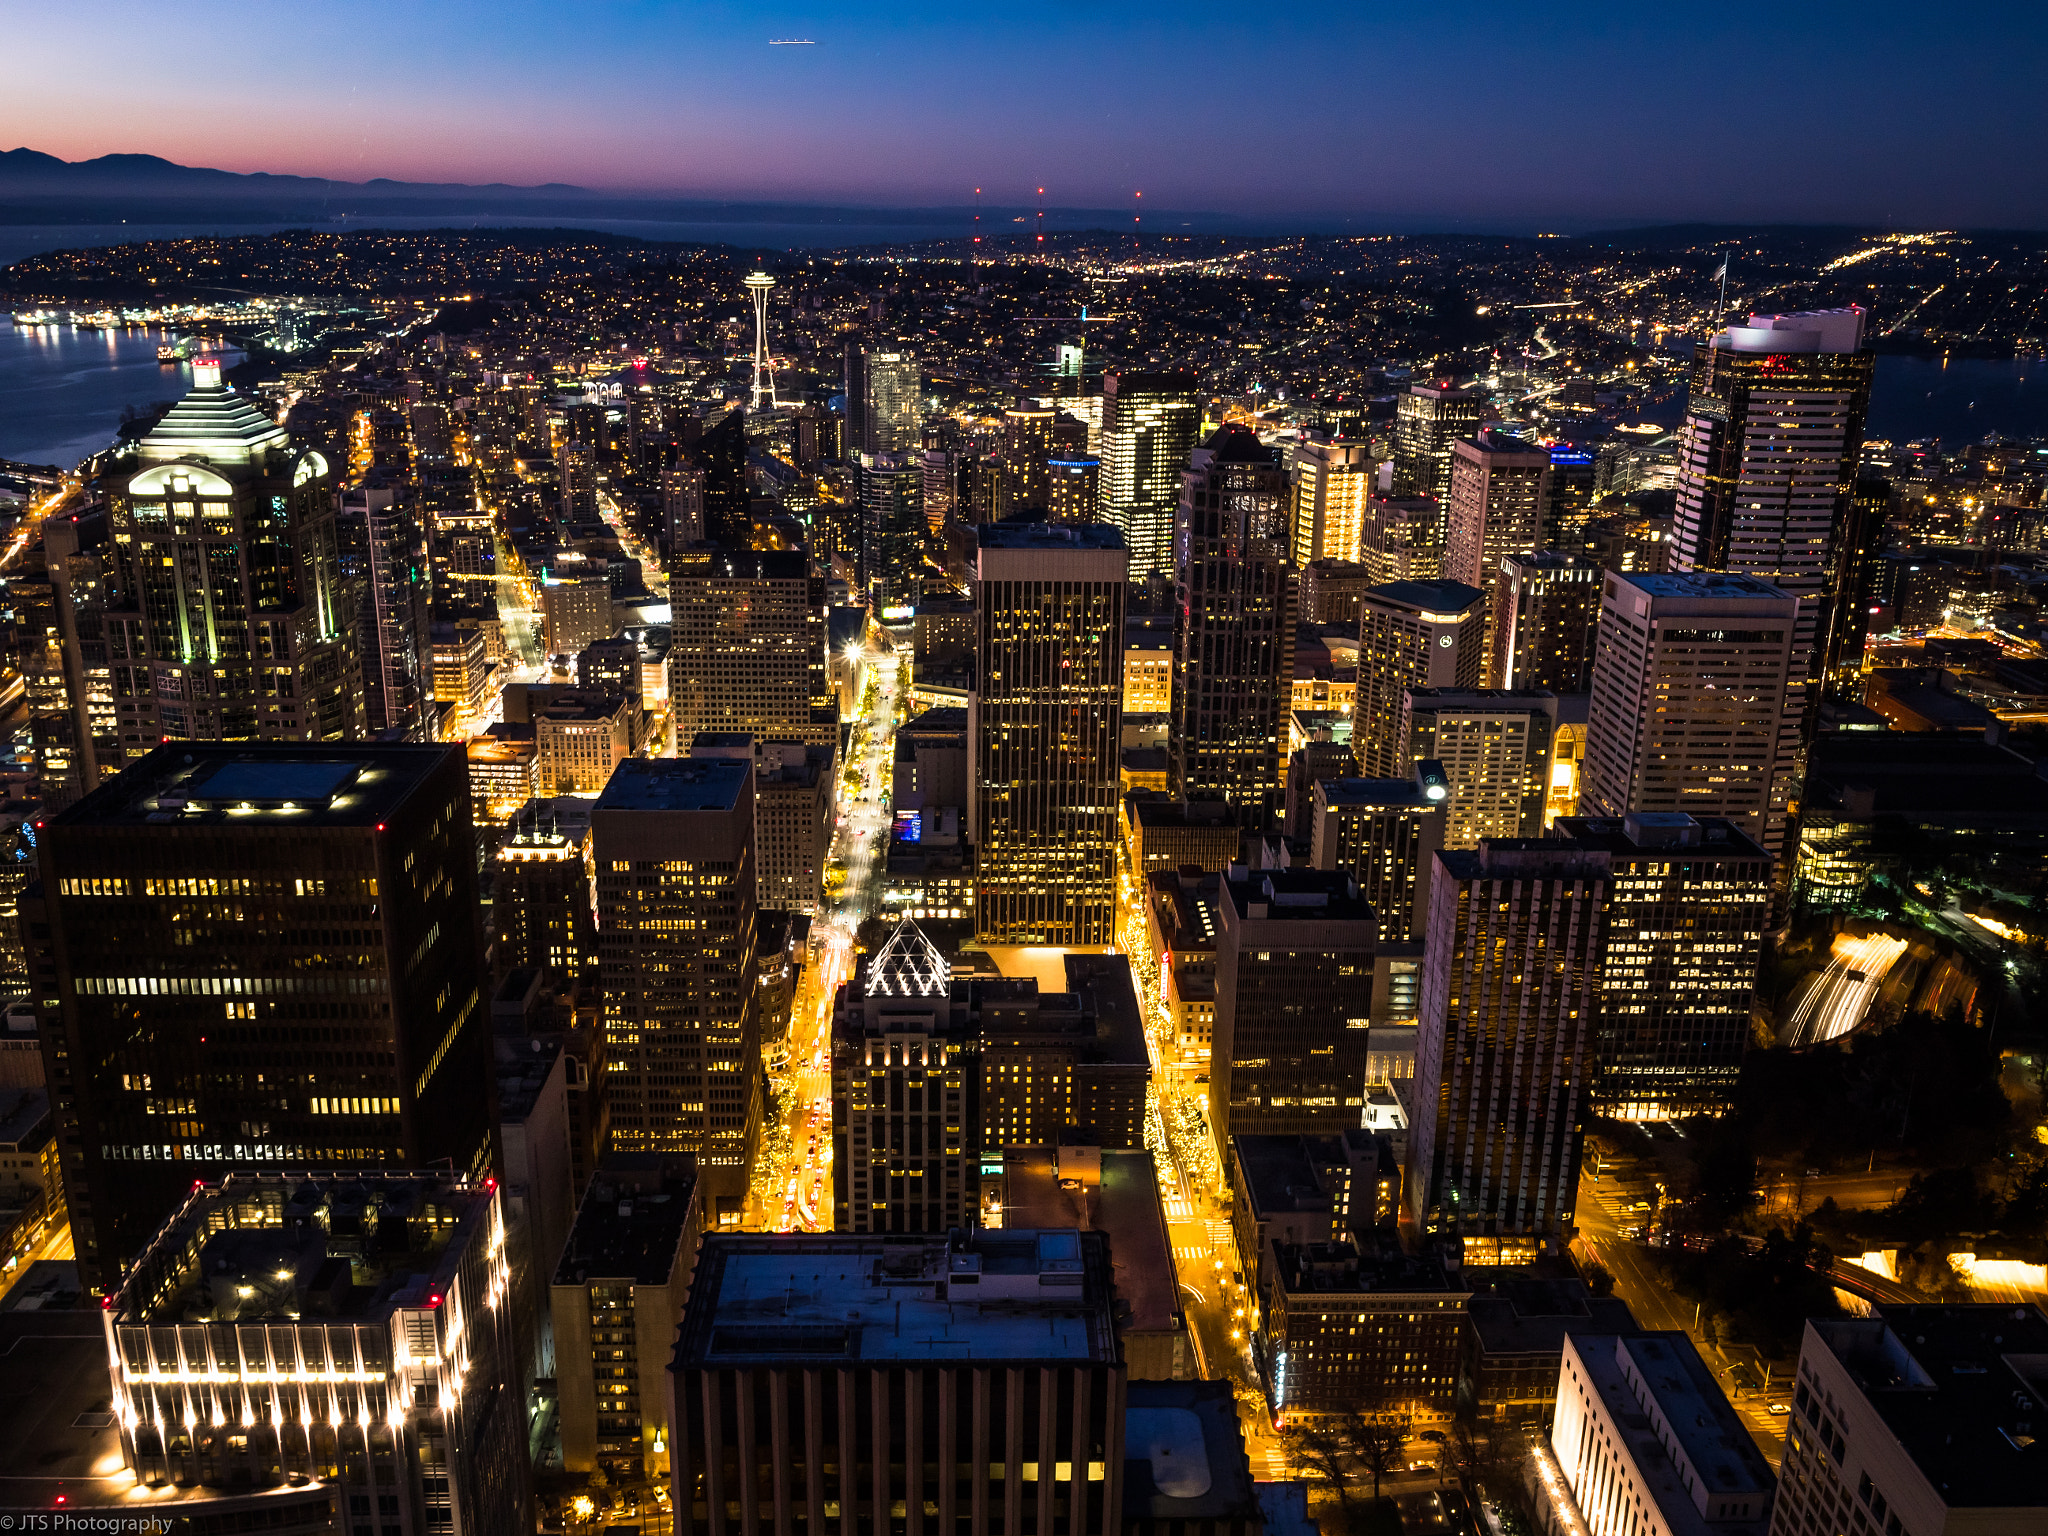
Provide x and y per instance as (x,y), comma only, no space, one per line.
(1137,218)
(1041,216)
(977,221)
(1723,276)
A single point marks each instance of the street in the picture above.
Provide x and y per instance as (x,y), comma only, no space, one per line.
(792,1186)
(1639,1280)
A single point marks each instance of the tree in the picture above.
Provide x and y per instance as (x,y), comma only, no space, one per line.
(1481,1456)
(1324,1452)
(1374,1443)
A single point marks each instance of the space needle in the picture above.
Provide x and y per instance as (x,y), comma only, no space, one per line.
(757,285)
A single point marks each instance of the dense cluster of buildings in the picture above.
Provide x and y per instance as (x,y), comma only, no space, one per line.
(440,819)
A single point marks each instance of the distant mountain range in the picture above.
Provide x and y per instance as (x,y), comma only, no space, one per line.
(36,188)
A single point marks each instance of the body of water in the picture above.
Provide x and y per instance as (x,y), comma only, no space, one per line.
(62,391)
(1959,400)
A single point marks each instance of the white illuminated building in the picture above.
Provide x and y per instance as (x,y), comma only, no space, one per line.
(351,1331)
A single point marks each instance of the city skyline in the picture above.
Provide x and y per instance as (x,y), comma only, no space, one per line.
(1502,120)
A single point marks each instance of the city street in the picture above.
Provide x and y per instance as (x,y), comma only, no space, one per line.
(792,1190)
(1639,1280)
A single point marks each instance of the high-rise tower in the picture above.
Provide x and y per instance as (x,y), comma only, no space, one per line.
(881,402)
(758,285)
(226,615)
(1234,655)
(1149,423)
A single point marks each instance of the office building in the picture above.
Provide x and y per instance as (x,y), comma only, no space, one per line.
(682,503)
(1044,727)
(1687,905)
(882,402)
(1293,994)
(1384,834)
(615,666)
(674,844)
(274,1318)
(1645,1441)
(576,610)
(1687,714)
(1499,486)
(1545,612)
(615,1303)
(225,622)
(299,925)
(577,464)
(1181,923)
(543,892)
(1920,1419)
(1063,1063)
(1332,590)
(1767,460)
(906,1095)
(1073,489)
(889,558)
(1233,665)
(380,527)
(1494,748)
(580,736)
(1332,482)
(887,1364)
(1117,1194)
(504,773)
(1504,1059)
(1402,539)
(1301,1190)
(1149,425)
(747,647)
(1411,634)
(792,816)
(939,483)
(1148,664)
(1515,1333)
(462,674)
(1161,833)
(1024,449)
(1342,1330)
(1428,420)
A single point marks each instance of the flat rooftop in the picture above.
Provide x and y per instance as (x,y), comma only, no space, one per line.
(1124,1207)
(1029,535)
(1283,1173)
(1375,793)
(1004,1295)
(260,1247)
(1700,584)
(627,1231)
(1447,597)
(1955,1386)
(675,784)
(281,787)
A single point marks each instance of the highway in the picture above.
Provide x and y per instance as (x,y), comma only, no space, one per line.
(792,1185)
(1836,1000)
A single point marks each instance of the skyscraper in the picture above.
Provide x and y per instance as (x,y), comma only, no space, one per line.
(1332,482)
(1766,463)
(226,615)
(1026,449)
(1233,669)
(1687,905)
(1546,608)
(1504,1056)
(1293,995)
(542,896)
(889,561)
(1384,834)
(1402,539)
(721,451)
(1073,485)
(1149,424)
(381,522)
(260,954)
(1411,634)
(1498,488)
(747,647)
(1688,708)
(1427,420)
(882,395)
(1494,748)
(674,848)
(1045,729)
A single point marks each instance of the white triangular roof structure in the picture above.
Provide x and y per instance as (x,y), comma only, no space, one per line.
(909,965)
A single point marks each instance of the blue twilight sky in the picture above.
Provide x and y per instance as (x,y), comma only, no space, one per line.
(1467,113)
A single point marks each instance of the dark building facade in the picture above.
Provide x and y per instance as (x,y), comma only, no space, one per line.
(259,955)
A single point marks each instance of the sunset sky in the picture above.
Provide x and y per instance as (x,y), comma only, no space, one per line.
(1468,112)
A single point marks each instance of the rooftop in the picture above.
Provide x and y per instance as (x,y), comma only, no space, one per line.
(629,1228)
(1286,1173)
(1338,1269)
(1444,597)
(1184,1456)
(215,424)
(281,1246)
(270,787)
(1525,1317)
(1033,535)
(675,784)
(1701,584)
(1003,1295)
(1297,895)
(1124,1206)
(1963,1389)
